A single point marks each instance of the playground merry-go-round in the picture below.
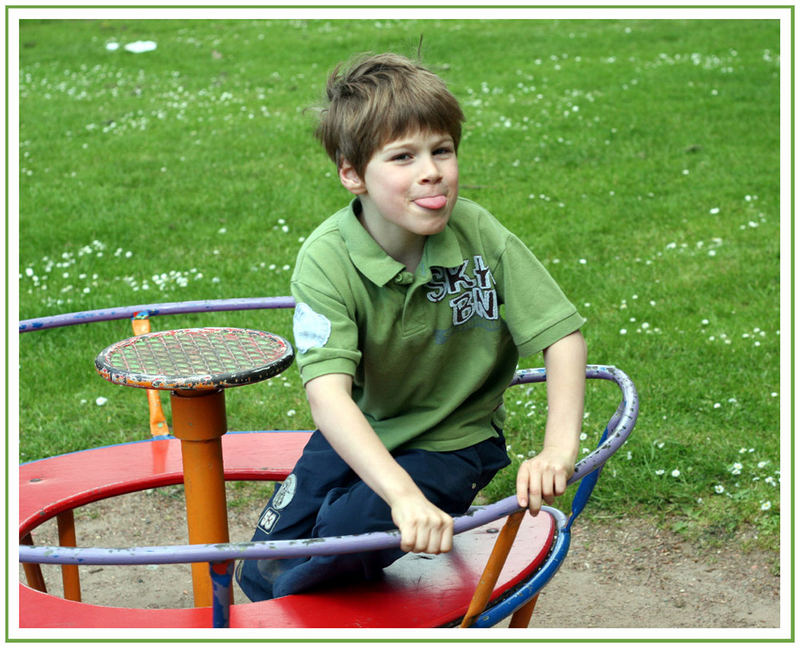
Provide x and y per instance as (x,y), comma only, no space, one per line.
(500,562)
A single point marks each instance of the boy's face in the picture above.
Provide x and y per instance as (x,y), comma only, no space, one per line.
(410,185)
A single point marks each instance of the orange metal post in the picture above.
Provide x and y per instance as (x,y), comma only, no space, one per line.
(69,573)
(33,572)
(158,423)
(493,568)
(522,617)
(198,420)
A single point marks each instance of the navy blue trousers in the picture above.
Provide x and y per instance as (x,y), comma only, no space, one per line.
(323,497)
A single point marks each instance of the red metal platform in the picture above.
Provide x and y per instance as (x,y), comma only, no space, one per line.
(417,591)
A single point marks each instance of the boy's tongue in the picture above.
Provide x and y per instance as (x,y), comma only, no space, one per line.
(432,202)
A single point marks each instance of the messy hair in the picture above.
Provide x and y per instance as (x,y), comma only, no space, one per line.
(379,98)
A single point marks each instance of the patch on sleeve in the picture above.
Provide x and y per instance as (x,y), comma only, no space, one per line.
(311,330)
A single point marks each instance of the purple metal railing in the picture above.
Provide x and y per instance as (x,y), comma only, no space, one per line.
(166,308)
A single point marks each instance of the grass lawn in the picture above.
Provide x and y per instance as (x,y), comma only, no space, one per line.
(639,159)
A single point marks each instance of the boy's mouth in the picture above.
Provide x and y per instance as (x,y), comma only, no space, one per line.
(432,202)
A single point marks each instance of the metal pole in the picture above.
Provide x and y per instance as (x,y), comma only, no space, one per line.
(199,421)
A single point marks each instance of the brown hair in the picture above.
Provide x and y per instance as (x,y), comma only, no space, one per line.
(379,98)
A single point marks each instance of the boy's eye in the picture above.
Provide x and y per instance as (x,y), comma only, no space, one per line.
(401,156)
(443,150)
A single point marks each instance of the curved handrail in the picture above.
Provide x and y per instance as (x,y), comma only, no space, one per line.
(170,554)
(619,428)
(163,308)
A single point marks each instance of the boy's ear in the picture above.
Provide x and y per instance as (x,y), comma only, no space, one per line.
(350,179)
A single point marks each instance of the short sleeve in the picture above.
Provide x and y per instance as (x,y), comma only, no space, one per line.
(325,333)
(537,311)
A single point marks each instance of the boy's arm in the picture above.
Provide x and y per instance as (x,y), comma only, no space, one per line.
(545,476)
(423,526)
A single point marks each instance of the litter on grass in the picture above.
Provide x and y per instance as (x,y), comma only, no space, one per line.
(138,47)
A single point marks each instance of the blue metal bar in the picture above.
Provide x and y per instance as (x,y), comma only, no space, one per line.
(221,578)
(505,608)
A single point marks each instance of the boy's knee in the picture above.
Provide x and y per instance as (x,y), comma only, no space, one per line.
(350,511)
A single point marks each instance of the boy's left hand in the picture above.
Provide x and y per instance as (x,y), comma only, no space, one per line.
(543,478)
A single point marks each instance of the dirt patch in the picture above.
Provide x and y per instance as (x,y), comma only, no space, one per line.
(617,574)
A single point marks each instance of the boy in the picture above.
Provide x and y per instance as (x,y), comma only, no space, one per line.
(401,343)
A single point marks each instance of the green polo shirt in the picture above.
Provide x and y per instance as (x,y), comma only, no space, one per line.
(430,353)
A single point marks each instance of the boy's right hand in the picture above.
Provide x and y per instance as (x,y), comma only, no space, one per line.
(424,528)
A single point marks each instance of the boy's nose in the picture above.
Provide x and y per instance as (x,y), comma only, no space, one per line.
(430,171)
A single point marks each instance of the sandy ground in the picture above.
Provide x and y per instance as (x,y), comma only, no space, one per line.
(617,574)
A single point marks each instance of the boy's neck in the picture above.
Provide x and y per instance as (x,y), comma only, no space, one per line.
(403,246)
(411,260)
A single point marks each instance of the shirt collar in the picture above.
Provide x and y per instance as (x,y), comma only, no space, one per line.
(441,250)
